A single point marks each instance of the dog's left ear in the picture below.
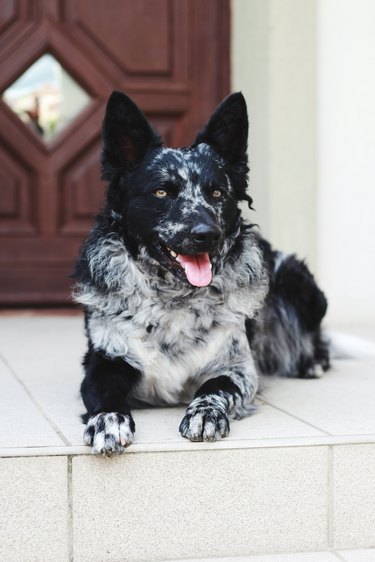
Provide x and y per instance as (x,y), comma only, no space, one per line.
(127,135)
(227,129)
(226,132)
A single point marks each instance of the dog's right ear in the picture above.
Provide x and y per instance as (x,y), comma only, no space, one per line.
(127,135)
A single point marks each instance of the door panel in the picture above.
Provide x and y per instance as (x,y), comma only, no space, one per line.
(171,56)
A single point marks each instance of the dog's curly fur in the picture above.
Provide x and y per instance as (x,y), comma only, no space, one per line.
(184,301)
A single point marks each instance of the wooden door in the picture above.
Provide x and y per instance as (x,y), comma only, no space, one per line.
(171,56)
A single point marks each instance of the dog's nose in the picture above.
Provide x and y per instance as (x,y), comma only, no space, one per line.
(205,233)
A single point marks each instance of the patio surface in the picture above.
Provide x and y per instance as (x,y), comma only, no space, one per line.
(320,432)
(40,363)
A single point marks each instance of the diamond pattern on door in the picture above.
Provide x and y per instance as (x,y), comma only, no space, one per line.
(46,98)
(59,62)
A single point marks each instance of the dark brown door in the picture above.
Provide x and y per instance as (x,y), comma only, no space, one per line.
(171,56)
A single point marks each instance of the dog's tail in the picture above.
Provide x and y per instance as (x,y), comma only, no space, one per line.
(349,346)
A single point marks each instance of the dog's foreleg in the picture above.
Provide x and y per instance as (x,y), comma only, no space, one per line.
(110,426)
(218,399)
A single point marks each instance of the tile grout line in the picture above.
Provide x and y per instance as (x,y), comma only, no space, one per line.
(149,448)
(338,556)
(70,509)
(296,417)
(55,428)
(331,504)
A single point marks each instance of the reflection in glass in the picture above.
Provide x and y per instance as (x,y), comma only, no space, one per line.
(46,97)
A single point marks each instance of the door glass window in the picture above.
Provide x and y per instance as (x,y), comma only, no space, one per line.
(46,98)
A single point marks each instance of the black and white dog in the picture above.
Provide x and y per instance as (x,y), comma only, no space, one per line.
(185,303)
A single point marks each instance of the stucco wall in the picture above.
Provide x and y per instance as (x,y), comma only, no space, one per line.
(307,69)
(346,195)
(273,63)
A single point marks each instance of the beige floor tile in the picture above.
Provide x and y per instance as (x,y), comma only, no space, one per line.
(340,403)
(249,501)
(21,422)
(48,361)
(293,557)
(354,496)
(33,500)
(161,425)
(367,555)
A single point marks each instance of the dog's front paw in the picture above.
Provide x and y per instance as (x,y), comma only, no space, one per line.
(109,433)
(313,371)
(204,422)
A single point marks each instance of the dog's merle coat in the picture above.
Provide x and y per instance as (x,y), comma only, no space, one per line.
(184,302)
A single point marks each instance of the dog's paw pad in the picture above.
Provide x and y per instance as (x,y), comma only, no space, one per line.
(315,371)
(109,433)
(205,425)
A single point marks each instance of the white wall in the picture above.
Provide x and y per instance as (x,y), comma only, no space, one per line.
(273,63)
(307,69)
(346,223)
(250,74)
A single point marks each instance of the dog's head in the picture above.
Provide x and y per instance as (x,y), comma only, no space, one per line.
(178,204)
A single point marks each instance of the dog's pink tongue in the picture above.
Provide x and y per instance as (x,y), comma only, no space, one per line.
(197,269)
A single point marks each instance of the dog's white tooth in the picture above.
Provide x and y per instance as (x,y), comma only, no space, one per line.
(211,266)
(173,254)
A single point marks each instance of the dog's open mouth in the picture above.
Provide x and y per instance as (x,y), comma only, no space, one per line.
(196,268)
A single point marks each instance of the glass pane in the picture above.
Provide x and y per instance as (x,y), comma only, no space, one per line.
(46,98)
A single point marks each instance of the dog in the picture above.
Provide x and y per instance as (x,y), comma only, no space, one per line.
(185,303)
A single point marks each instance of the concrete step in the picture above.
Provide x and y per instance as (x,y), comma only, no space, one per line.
(293,482)
(367,555)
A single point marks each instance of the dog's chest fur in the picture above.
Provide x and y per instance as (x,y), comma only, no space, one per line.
(175,335)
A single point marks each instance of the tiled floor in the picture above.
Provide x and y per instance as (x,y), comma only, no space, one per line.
(40,369)
(297,476)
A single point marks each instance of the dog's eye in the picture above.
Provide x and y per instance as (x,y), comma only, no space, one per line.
(160,193)
(217,193)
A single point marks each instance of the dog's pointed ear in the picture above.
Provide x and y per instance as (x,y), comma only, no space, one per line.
(227,129)
(226,132)
(127,135)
